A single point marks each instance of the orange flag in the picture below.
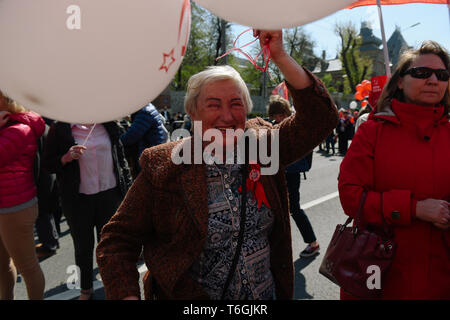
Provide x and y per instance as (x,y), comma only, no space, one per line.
(361,3)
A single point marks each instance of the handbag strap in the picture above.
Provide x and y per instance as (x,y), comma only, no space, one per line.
(241,231)
(359,219)
(361,223)
(388,230)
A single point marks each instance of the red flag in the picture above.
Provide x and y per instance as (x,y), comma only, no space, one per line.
(281,90)
(360,3)
(377,86)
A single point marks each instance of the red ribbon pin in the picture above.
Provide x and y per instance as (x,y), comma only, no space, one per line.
(255,186)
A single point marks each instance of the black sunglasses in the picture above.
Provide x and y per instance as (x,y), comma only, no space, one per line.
(425,72)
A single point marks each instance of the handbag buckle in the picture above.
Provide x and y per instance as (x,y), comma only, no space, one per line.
(388,246)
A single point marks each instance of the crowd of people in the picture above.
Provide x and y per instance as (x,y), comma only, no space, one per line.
(219,230)
(80,170)
(349,121)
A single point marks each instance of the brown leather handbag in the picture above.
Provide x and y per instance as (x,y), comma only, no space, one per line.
(359,257)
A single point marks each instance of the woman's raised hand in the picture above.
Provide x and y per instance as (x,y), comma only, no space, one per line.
(274,40)
(292,71)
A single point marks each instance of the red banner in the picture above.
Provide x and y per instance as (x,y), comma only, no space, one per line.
(281,90)
(361,3)
(377,86)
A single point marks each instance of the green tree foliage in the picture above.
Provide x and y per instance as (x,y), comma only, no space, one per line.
(206,43)
(300,46)
(252,78)
(356,67)
(297,43)
(204,46)
(221,39)
(327,80)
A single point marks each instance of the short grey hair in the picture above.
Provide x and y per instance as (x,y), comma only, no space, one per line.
(210,75)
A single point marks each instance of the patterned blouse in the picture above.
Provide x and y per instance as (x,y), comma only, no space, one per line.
(253,279)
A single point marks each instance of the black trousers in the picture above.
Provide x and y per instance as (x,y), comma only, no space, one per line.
(86,213)
(298,214)
(48,205)
(329,142)
(343,144)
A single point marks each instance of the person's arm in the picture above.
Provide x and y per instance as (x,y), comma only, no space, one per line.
(398,206)
(54,157)
(291,70)
(316,114)
(141,124)
(435,211)
(74,153)
(121,156)
(122,239)
(11,144)
(361,120)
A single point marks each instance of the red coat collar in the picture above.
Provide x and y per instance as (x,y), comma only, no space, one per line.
(401,112)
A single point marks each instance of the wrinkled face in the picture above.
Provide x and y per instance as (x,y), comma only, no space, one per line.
(429,91)
(220,106)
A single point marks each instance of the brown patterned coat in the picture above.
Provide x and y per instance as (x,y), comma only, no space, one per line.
(166,211)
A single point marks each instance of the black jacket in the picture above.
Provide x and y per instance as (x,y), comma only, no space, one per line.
(59,141)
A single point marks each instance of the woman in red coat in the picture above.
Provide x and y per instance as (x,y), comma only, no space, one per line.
(19,131)
(401,156)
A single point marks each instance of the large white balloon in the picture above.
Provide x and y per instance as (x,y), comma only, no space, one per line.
(270,14)
(86,61)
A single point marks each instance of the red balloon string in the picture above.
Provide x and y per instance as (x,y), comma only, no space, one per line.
(185,9)
(265,51)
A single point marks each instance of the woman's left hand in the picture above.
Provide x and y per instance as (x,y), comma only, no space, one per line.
(443,226)
(4,117)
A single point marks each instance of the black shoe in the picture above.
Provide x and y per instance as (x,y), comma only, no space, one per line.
(44,252)
(86,294)
(310,251)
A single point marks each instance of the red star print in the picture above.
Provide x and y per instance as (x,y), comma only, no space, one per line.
(168,61)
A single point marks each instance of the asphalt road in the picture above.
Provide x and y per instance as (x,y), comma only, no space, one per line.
(318,198)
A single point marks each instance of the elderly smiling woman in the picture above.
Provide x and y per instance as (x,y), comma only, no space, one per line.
(215,231)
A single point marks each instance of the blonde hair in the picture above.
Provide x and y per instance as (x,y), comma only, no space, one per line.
(7,104)
(210,75)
